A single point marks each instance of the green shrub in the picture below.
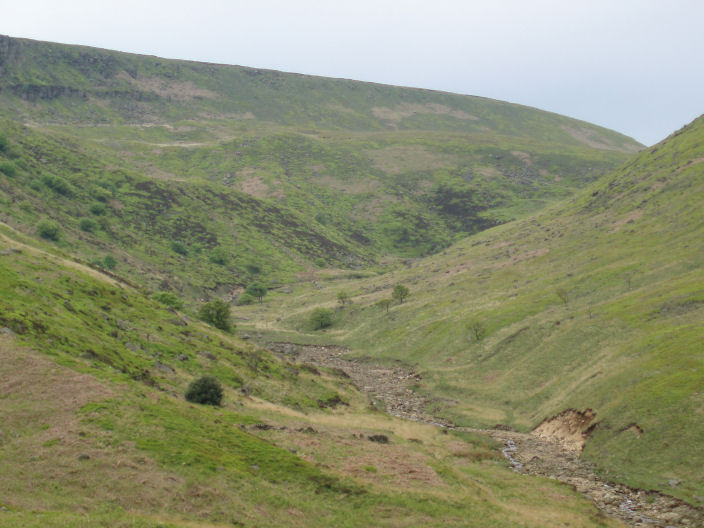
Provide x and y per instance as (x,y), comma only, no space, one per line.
(4,144)
(57,184)
(109,262)
(179,247)
(87,225)
(219,256)
(49,230)
(245,299)
(216,313)
(321,318)
(98,209)
(206,390)
(8,168)
(169,299)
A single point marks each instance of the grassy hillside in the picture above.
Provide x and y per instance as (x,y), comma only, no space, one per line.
(375,170)
(192,237)
(595,303)
(96,431)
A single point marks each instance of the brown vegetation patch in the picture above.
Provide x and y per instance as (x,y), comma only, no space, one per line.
(178,90)
(404,110)
(592,139)
(45,445)
(628,219)
(520,257)
(523,156)
(398,159)
(358,186)
(248,182)
(570,428)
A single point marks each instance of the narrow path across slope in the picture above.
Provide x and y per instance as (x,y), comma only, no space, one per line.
(392,387)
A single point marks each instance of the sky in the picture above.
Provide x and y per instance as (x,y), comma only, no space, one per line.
(635,66)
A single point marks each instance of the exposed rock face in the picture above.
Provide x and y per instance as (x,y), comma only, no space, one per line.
(570,428)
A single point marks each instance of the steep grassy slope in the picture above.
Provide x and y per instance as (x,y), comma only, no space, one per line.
(401,171)
(596,303)
(188,236)
(95,431)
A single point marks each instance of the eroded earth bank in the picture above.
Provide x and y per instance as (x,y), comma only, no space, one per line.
(548,451)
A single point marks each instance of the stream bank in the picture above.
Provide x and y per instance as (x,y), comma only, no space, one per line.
(391,387)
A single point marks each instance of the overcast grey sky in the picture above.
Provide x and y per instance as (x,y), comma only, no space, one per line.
(636,66)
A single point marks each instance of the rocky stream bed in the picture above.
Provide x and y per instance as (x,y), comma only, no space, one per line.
(391,387)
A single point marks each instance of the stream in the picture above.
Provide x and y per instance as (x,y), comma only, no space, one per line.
(526,453)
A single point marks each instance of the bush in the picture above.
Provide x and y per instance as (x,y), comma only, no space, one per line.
(169,299)
(97,209)
(49,230)
(4,144)
(245,299)
(109,262)
(321,318)
(179,247)
(206,390)
(216,313)
(57,184)
(88,225)
(8,168)
(219,256)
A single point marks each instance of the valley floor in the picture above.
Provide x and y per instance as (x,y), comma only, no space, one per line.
(391,388)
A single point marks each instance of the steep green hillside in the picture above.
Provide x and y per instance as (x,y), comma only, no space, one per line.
(192,237)
(95,430)
(399,171)
(596,303)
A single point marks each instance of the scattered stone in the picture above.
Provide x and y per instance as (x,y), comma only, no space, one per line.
(503,427)
(177,321)
(6,330)
(182,357)
(263,426)
(69,306)
(673,483)
(163,367)
(308,430)
(83,456)
(380,438)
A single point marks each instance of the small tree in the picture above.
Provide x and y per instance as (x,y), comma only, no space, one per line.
(256,289)
(206,390)
(564,295)
(384,304)
(478,330)
(321,318)
(400,293)
(343,297)
(216,313)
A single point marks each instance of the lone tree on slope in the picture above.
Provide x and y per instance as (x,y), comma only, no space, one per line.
(256,289)
(400,293)
(216,313)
